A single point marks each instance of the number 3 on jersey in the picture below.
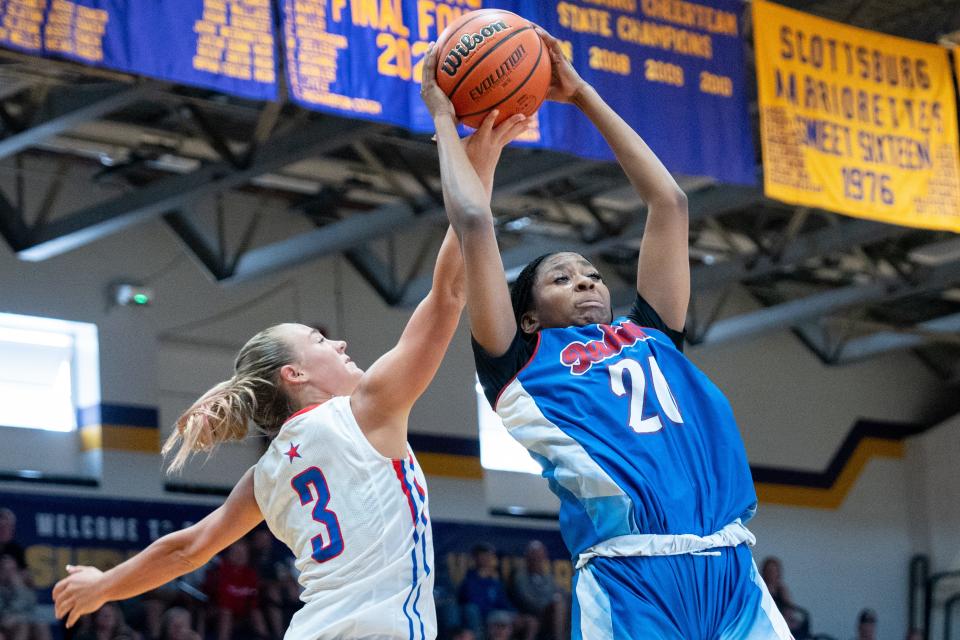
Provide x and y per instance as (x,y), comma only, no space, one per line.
(638,388)
(329,545)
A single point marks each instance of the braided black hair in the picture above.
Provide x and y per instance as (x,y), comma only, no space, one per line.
(521,293)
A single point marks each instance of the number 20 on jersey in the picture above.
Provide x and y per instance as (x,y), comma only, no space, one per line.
(638,391)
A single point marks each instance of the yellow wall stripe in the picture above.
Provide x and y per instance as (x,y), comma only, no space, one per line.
(91,438)
(147,440)
(451,465)
(119,438)
(468,467)
(833,497)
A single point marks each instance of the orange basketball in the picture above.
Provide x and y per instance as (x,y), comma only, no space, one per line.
(492,59)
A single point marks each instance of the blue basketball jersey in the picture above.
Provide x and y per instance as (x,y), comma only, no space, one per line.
(631,436)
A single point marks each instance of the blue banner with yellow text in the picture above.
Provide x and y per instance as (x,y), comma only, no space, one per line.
(856,122)
(225,45)
(673,69)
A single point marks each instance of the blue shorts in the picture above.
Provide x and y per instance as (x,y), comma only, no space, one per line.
(683,597)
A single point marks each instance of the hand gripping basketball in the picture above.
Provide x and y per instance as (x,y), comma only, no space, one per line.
(437,102)
(492,59)
(565,82)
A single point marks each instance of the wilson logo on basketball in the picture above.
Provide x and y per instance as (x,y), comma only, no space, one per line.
(468,43)
(581,356)
(501,72)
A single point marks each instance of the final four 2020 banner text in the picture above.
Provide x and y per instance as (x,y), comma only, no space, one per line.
(856,122)
(673,69)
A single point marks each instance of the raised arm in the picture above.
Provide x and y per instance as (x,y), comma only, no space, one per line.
(390,387)
(87,589)
(663,270)
(468,208)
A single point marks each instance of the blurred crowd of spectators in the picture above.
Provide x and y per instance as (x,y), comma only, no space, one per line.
(250,592)
(798,618)
(530,605)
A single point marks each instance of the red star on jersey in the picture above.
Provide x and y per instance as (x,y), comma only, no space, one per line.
(293,452)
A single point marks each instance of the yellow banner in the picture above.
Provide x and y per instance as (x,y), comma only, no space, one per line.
(956,63)
(855,121)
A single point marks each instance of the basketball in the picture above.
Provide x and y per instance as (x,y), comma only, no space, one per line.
(492,59)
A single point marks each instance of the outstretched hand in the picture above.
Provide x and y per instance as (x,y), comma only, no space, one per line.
(484,145)
(78,594)
(566,83)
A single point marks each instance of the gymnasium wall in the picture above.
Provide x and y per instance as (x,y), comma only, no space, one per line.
(934,462)
(845,542)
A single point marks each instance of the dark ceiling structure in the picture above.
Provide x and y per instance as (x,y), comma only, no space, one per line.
(850,289)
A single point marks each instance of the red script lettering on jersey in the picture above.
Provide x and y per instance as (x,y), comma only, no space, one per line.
(580,357)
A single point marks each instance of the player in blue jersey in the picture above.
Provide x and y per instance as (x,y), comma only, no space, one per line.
(641,448)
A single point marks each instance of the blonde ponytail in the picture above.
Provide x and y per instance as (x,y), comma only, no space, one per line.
(223,413)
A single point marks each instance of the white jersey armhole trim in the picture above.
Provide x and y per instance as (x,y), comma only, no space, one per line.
(346,410)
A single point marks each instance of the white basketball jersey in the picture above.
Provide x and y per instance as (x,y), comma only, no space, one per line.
(358,525)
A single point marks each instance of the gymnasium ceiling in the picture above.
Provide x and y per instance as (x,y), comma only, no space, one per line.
(850,289)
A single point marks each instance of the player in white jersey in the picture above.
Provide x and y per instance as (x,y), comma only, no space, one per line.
(339,484)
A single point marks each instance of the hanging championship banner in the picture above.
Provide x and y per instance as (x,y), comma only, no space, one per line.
(225,45)
(856,122)
(672,69)
(956,63)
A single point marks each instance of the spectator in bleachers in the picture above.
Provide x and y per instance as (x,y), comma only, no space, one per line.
(265,555)
(176,625)
(500,625)
(290,589)
(264,559)
(145,612)
(481,591)
(18,602)
(537,595)
(771,570)
(867,625)
(462,633)
(8,545)
(449,618)
(107,624)
(233,589)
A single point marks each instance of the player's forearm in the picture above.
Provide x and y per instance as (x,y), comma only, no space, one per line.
(164,560)
(649,177)
(449,275)
(485,174)
(465,197)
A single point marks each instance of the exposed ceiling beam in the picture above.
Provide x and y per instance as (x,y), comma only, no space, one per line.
(196,242)
(177,192)
(67,107)
(12,227)
(787,314)
(400,216)
(883,341)
(375,272)
(798,311)
(832,239)
(705,203)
